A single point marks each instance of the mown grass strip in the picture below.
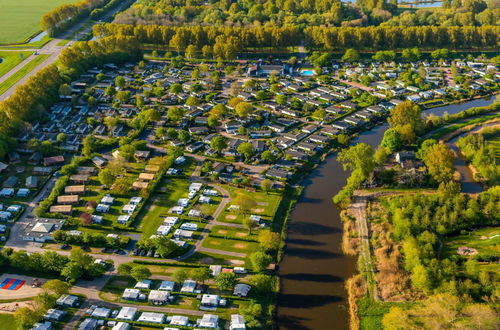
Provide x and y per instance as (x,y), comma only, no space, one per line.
(21,73)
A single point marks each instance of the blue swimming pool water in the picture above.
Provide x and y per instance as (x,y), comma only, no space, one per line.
(307,72)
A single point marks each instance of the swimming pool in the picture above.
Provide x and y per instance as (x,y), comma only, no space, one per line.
(307,72)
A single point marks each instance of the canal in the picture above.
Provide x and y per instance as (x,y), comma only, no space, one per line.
(314,269)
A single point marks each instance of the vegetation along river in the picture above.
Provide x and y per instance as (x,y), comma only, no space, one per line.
(313,270)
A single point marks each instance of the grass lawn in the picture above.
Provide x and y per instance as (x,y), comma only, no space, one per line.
(155,211)
(19,20)
(233,232)
(10,60)
(231,245)
(371,312)
(267,205)
(8,322)
(485,240)
(21,73)
(215,259)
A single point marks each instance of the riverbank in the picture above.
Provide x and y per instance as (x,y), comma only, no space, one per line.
(356,240)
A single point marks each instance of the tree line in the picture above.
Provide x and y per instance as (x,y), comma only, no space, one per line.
(225,42)
(62,17)
(31,100)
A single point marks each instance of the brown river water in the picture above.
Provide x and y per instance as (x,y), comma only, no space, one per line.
(314,269)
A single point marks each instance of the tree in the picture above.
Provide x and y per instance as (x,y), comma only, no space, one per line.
(192,101)
(268,156)
(72,272)
(120,81)
(439,160)
(406,119)
(281,99)
(56,287)
(65,90)
(175,114)
(266,185)
(249,224)
(25,317)
(124,269)
(260,261)
(180,275)
(201,274)
(351,55)
(243,109)
(218,143)
(226,281)
(358,157)
(184,136)
(176,88)
(392,140)
(61,137)
(263,284)
(140,273)
(245,203)
(269,240)
(191,51)
(252,313)
(212,121)
(165,246)
(106,177)
(425,147)
(246,149)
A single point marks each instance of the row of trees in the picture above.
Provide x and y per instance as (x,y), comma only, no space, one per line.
(77,265)
(31,100)
(89,239)
(387,37)
(62,17)
(225,42)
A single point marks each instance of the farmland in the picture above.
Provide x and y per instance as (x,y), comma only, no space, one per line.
(21,20)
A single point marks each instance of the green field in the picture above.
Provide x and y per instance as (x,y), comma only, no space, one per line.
(10,60)
(21,73)
(8,322)
(485,240)
(19,20)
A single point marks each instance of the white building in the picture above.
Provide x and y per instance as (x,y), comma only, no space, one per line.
(145,284)
(150,317)
(127,313)
(179,320)
(237,322)
(188,286)
(158,297)
(209,321)
(189,226)
(131,294)
(167,286)
(102,312)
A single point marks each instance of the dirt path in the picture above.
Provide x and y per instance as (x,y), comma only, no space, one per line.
(358,210)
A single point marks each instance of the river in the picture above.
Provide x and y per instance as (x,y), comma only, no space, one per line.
(314,269)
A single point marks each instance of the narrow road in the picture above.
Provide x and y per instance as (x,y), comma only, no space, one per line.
(197,247)
(53,49)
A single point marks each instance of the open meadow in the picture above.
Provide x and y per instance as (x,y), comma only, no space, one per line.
(19,20)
